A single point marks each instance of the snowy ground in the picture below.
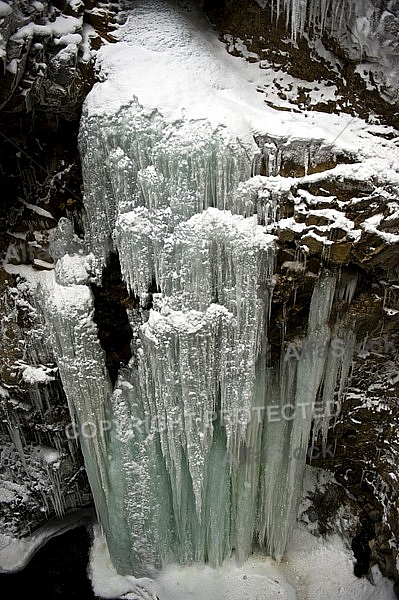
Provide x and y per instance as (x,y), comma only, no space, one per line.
(313,568)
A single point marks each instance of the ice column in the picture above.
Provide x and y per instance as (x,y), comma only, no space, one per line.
(290,405)
(69,313)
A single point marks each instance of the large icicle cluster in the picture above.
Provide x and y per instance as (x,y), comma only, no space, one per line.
(198,394)
(311,14)
(144,176)
(194,465)
(193,478)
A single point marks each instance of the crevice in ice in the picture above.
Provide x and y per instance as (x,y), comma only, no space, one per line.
(110,301)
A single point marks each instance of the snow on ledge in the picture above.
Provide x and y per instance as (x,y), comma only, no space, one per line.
(168,58)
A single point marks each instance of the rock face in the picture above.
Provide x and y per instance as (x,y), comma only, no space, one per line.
(42,473)
(47,52)
(332,210)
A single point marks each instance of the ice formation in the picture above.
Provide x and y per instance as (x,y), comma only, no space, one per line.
(309,14)
(69,310)
(367,30)
(198,451)
(318,15)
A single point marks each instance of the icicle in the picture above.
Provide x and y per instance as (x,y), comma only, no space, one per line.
(15,435)
(347,287)
(272,159)
(286,435)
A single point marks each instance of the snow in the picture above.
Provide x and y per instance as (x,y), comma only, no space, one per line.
(39,374)
(76,5)
(260,578)
(321,51)
(370,225)
(323,568)
(277,84)
(62,25)
(326,94)
(42,264)
(88,32)
(337,219)
(73,269)
(15,553)
(32,276)
(12,66)
(239,45)
(49,456)
(290,223)
(69,38)
(5,9)
(69,300)
(313,567)
(159,61)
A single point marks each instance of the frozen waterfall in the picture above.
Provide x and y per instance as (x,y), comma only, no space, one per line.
(198,451)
